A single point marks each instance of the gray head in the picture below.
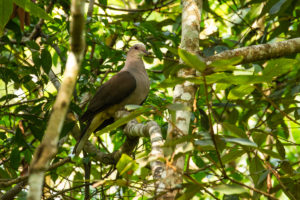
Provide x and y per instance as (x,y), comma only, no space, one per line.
(137,51)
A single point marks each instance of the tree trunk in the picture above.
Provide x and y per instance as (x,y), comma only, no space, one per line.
(183,94)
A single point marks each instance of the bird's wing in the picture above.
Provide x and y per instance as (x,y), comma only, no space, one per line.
(112,92)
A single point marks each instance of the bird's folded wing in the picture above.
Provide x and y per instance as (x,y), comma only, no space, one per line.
(112,92)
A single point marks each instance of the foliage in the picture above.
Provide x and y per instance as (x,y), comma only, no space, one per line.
(253,108)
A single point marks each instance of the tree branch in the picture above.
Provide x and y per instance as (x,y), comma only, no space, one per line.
(150,129)
(22,181)
(259,52)
(135,10)
(48,147)
(37,29)
(183,93)
(10,194)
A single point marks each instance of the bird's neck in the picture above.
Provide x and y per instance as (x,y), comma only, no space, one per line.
(134,64)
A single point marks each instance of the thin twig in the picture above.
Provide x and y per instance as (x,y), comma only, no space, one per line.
(276,107)
(135,10)
(252,188)
(211,130)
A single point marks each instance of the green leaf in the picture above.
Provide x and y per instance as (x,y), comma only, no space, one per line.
(67,127)
(124,120)
(46,60)
(172,49)
(78,179)
(229,189)
(258,136)
(222,86)
(192,60)
(205,144)
(32,45)
(226,64)
(241,141)
(179,80)
(240,91)
(254,11)
(236,79)
(27,155)
(286,167)
(171,69)
(36,60)
(231,197)
(224,68)
(178,106)
(126,165)
(130,107)
(6,9)
(235,130)
(4,174)
(198,160)
(270,153)
(103,2)
(276,7)
(280,149)
(8,97)
(19,138)
(182,139)
(7,75)
(263,177)
(118,182)
(191,190)
(14,158)
(256,169)
(171,82)
(278,67)
(32,8)
(232,155)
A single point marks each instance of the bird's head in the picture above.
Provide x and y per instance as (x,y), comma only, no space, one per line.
(138,50)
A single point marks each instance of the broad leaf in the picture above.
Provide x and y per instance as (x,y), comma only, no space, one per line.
(241,141)
(192,60)
(229,189)
(236,79)
(15,159)
(46,60)
(276,8)
(6,9)
(270,153)
(126,165)
(256,169)
(278,67)
(232,155)
(240,91)
(171,82)
(226,64)
(287,167)
(280,149)
(191,190)
(32,8)
(235,130)
(177,106)
(8,97)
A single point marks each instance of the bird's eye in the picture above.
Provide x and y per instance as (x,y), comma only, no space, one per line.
(136,48)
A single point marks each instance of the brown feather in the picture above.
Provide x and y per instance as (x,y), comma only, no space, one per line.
(112,92)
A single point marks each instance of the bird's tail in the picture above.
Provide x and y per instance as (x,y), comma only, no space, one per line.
(80,143)
(87,131)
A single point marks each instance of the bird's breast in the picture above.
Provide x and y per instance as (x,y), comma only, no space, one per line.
(141,91)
